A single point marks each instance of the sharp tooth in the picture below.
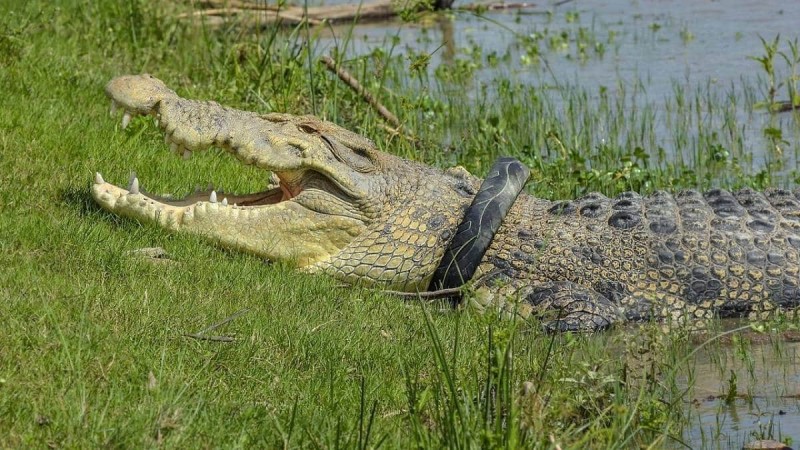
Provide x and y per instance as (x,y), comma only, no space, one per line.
(126,119)
(225,201)
(113,109)
(134,187)
(187,154)
(213,197)
(273,179)
(98,179)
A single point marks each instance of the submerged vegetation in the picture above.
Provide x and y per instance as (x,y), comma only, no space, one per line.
(94,351)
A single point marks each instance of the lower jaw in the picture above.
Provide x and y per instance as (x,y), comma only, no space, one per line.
(172,214)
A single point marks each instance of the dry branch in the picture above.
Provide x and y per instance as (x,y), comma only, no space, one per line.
(262,14)
(237,4)
(345,76)
(499,6)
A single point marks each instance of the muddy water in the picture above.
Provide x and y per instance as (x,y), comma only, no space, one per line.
(649,47)
(743,392)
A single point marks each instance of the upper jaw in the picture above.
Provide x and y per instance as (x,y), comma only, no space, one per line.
(317,204)
(276,142)
(138,94)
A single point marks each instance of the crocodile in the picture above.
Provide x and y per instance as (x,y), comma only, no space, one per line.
(335,204)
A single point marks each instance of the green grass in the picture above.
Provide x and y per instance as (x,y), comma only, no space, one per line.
(93,351)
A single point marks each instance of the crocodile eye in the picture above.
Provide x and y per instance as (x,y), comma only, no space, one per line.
(357,158)
(307,128)
(330,146)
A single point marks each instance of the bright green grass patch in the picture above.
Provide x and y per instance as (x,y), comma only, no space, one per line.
(93,351)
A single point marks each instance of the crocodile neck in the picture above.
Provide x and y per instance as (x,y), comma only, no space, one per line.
(484,216)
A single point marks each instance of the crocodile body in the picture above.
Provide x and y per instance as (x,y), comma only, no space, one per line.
(340,206)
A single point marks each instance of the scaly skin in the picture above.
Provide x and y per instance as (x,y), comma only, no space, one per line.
(344,208)
(341,206)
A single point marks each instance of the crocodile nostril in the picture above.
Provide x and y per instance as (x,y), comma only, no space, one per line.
(297,151)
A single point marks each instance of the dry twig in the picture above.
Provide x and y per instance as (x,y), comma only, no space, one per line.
(260,14)
(201,335)
(256,14)
(238,4)
(351,81)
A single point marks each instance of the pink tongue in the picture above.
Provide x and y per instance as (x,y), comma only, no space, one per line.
(287,192)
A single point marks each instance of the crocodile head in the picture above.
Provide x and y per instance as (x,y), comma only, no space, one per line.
(336,204)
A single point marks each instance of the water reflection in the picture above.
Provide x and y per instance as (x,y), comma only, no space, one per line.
(743,391)
(652,51)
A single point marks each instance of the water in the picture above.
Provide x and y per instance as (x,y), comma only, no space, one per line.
(650,48)
(767,405)
(658,49)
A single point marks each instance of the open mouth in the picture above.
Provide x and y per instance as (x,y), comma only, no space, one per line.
(268,197)
(302,187)
(170,211)
(115,198)
(314,204)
